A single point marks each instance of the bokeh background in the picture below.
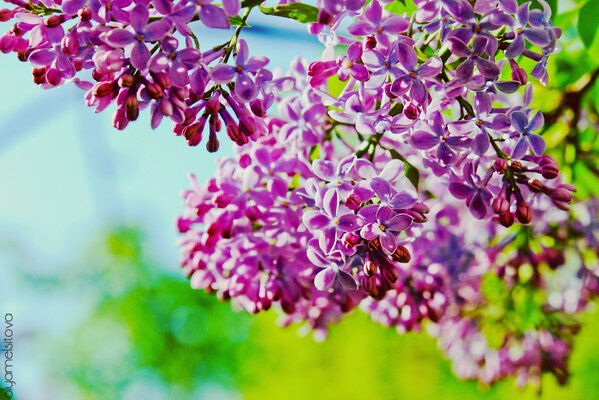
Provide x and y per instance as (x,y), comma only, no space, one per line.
(89,263)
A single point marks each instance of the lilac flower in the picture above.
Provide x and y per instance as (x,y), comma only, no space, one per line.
(373,22)
(245,88)
(213,16)
(411,80)
(477,197)
(177,62)
(527,140)
(349,64)
(106,10)
(179,15)
(359,110)
(439,136)
(332,219)
(144,32)
(473,57)
(381,65)
(384,225)
(484,121)
(538,36)
(332,272)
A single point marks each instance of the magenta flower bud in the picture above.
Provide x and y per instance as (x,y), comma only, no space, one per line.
(325,18)
(120,120)
(213,105)
(369,268)
(132,106)
(518,73)
(402,255)
(7,43)
(257,107)
(213,144)
(506,219)
(370,42)
(5,15)
(247,126)
(411,111)
(104,89)
(234,133)
(501,205)
(562,195)
(163,79)
(500,165)
(54,21)
(183,225)
(523,212)
(535,185)
(350,240)
(85,15)
(54,77)
(126,80)
(353,201)
(154,90)
(39,75)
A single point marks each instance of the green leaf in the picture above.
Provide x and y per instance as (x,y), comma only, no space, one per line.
(298,11)
(587,22)
(238,21)
(410,171)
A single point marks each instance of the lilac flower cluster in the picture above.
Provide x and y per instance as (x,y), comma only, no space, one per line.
(431,85)
(384,180)
(145,55)
(396,191)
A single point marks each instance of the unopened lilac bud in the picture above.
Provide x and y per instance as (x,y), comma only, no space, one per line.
(5,15)
(54,77)
(213,105)
(350,240)
(401,254)
(54,21)
(353,201)
(120,120)
(257,108)
(369,268)
(501,205)
(154,90)
(518,73)
(132,106)
(506,219)
(325,18)
(104,89)
(411,111)
(523,212)
(126,80)
(213,144)
(247,126)
(7,43)
(163,79)
(535,185)
(500,165)
(562,196)
(516,166)
(370,42)
(39,75)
